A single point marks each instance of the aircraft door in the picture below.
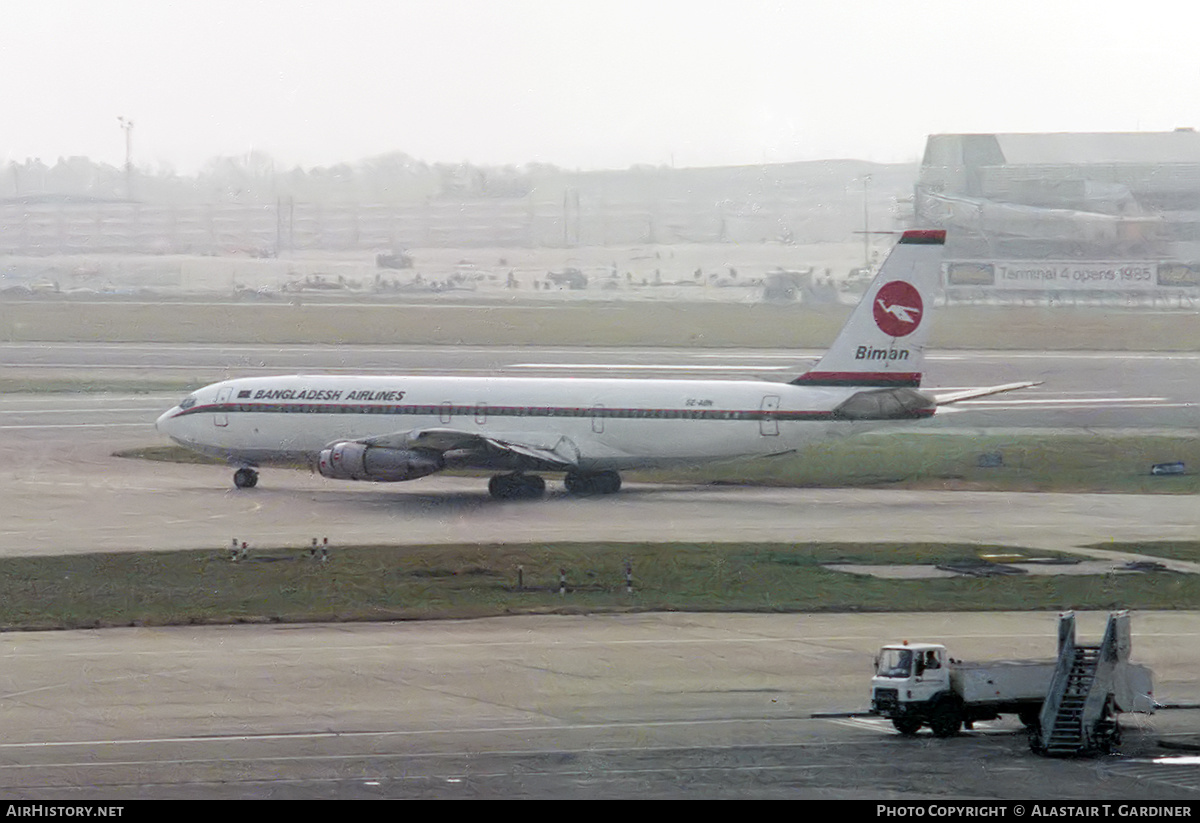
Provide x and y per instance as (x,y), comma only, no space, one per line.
(220,418)
(481,413)
(768,424)
(598,419)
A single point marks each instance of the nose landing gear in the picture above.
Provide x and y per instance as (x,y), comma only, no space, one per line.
(245,478)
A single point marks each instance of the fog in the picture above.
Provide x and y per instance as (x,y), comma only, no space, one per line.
(588,86)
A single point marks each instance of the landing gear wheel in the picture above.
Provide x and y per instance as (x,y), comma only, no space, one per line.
(589,484)
(1108,732)
(533,486)
(1035,741)
(245,478)
(610,482)
(907,726)
(1030,719)
(516,486)
(946,720)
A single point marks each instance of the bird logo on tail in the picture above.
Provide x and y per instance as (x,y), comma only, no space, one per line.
(898,308)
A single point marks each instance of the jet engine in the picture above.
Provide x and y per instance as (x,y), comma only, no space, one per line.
(360,461)
(886,404)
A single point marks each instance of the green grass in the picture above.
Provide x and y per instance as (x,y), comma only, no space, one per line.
(426,582)
(1083,462)
(1169,549)
(169,454)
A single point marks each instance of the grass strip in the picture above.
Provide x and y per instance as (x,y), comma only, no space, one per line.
(372,583)
(587,323)
(1083,462)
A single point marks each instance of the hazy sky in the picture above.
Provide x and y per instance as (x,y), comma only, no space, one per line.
(601,84)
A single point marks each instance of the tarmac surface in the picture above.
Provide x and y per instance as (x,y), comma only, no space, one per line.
(65,493)
(619,706)
(616,706)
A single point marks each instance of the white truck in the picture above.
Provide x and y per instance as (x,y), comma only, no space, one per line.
(1070,704)
(919,683)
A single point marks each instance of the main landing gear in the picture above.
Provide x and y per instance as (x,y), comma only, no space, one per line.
(516,486)
(589,484)
(245,478)
(520,486)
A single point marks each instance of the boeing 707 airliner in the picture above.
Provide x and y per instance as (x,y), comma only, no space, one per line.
(389,429)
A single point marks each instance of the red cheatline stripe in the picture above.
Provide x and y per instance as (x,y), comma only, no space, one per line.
(860,378)
(926,236)
(509,411)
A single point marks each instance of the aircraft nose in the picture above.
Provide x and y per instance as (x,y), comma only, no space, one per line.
(163,422)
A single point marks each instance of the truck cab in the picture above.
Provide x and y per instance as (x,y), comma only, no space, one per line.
(908,677)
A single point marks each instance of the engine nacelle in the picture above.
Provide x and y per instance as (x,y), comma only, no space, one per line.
(359,461)
(886,404)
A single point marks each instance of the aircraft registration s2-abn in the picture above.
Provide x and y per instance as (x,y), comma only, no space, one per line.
(385,429)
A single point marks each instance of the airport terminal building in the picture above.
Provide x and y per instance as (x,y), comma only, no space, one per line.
(1055,215)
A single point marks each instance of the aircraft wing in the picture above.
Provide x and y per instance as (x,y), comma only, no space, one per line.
(970,394)
(526,449)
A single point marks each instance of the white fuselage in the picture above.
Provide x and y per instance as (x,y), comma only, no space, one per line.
(608,424)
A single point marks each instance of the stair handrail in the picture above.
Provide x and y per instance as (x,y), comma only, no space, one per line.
(1058,683)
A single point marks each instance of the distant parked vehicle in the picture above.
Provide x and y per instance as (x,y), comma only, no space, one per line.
(569,277)
(393,260)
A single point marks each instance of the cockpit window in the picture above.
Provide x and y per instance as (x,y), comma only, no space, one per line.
(188,402)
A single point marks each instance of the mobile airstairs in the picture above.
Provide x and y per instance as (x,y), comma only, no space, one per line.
(1092,684)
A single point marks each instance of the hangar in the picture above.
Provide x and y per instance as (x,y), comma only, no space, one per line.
(1066,213)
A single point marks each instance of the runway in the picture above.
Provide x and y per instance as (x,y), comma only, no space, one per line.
(1142,390)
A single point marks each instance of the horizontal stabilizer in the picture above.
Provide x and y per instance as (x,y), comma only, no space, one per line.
(970,394)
